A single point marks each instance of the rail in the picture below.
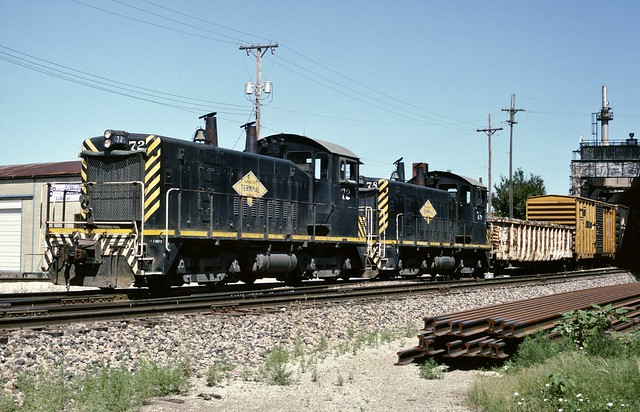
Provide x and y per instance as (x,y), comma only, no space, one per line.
(494,331)
(20,311)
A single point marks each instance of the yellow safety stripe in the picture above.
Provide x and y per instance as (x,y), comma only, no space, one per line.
(214,235)
(88,146)
(383,205)
(152,176)
(362,227)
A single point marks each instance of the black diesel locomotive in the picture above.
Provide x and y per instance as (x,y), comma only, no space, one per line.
(158,212)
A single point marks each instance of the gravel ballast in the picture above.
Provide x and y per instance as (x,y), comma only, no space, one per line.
(352,372)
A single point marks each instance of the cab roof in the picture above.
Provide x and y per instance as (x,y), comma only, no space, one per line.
(300,141)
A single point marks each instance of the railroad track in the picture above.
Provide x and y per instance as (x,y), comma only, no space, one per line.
(48,309)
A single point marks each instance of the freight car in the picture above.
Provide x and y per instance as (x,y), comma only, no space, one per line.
(529,244)
(160,211)
(560,231)
(594,223)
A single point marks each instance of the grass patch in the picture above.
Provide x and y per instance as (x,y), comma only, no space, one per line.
(430,369)
(218,371)
(102,389)
(569,382)
(586,370)
(274,370)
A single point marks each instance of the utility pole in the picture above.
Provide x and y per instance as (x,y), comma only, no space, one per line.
(258,51)
(512,113)
(489,131)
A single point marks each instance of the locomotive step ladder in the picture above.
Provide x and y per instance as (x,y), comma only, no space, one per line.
(375,253)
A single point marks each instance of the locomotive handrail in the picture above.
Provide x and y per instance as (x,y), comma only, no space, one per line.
(138,233)
(48,207)
(399,216)
(368,216)
(166,211)
(290,202)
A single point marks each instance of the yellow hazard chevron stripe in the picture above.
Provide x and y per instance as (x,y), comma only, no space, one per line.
(383,205)
(152,176)
(88,146)
(362,227)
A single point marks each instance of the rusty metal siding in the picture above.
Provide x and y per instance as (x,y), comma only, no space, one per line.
(514,240)
(593,222)
(34,170)
(609,235)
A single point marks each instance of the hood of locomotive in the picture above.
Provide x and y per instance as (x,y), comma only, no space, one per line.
(120,192)
(121,182)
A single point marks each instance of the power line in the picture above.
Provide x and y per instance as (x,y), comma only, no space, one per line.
(374,90)
(112,86)
(203,20)
(399,111)
(452,123)
(155,24)
(110,80)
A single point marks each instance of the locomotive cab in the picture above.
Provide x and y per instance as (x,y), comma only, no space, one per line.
(433,224)
(471,204)
(332,171)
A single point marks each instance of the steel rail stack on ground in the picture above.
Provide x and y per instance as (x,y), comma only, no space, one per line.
(494,332)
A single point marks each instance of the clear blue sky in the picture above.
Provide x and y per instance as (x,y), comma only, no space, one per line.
(384,79)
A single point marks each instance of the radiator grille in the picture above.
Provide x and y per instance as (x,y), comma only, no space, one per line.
(110,201)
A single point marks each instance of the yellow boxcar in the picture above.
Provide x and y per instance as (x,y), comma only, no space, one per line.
(593,222)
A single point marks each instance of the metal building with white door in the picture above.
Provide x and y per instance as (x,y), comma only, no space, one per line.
(22,190)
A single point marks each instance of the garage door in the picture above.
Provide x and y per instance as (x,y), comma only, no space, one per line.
(10,235)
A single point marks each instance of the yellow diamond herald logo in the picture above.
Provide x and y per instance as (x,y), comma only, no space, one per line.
(427,211)
(250,187)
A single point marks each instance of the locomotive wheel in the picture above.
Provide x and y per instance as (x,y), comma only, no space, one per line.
(158,285)
(293,278)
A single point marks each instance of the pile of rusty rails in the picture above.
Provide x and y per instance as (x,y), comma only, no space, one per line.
(494,332)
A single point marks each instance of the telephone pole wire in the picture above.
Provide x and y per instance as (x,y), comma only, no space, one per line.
(489,131)
(512,114)
(258,51)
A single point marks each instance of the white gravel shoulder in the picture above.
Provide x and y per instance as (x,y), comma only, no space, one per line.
(366,381)
(342,376)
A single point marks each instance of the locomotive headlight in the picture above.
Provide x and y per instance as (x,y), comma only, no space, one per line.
(107,139)
(115,139)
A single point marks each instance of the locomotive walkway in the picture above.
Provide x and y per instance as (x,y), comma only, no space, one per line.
(495,331)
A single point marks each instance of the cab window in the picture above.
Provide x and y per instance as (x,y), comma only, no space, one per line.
(465,194)
(303,160)
(321,166)
(348,171)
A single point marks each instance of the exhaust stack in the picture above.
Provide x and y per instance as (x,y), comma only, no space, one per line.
(251,142)
(420,173)
(604,116)
(398,174)
(210,129)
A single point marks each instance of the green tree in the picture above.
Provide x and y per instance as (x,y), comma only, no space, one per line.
(522,189)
